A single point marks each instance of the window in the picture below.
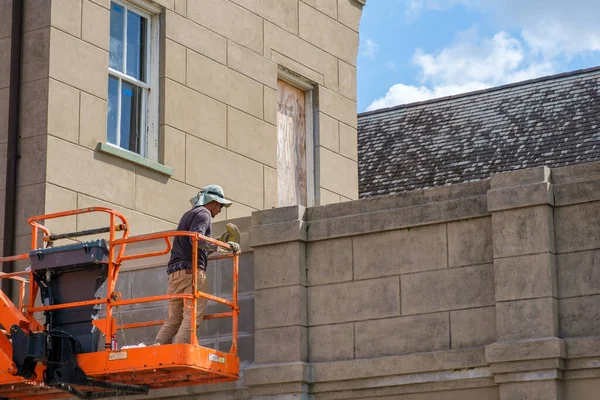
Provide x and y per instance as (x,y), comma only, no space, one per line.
(132,80)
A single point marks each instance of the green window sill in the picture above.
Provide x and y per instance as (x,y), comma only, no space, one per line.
(134,158)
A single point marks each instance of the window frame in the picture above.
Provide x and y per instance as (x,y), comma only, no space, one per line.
(149,108)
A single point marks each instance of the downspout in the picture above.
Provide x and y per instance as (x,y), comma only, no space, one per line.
(12,152)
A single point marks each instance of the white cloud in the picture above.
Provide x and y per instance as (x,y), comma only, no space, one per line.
(471,63)
(369,49)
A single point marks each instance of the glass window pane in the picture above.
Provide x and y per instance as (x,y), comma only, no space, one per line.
(117,27)
(131,101)
(136,45)
(113,105)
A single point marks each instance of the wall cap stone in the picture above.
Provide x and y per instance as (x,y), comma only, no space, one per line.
(528,195)
(520,177)
(270,374)
(530,349)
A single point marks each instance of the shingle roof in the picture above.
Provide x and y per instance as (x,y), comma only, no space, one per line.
(552,121)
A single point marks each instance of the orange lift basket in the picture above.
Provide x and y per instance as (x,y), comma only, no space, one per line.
(60,358)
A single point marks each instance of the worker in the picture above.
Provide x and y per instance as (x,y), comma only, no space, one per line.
(206,205)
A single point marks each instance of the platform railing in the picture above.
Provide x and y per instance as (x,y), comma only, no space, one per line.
(116,257)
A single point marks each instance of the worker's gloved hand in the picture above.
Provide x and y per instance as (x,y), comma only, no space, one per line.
(232,234)
(235,247)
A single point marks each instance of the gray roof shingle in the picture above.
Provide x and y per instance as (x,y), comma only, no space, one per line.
(552,121)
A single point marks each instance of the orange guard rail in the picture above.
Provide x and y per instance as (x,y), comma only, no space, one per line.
(154,366)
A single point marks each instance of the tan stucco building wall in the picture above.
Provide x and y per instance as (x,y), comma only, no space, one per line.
(218,68)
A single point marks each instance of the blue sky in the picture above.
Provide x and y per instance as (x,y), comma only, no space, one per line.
(414,50)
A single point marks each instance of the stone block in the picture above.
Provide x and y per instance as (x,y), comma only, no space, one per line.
(420,333)
(173,144)
(338,107)
(63,111)
(456,288)
(327,34)
(252,65)
(525,277)
(98,175)
(30,202)
(224,84)
(195,37)
(139,223)
(4,94)
(470,242)
(195,113)
(579,316)
(329,136)
(302,52)
(95,27)
(349,13)
(577,192)
(283,13)
(5,63)
(527,366)
(521,196)
(582,389)
(523,231)
(92,120)
(347,80)
(103,3)
(148,282)
(527,319)
(181,7)
(401,251)
(238,210)
(473,328)
(328,7)
(329,261)
(354,301)
(36,15)
(5,19)
(577,227)
(32,165)
(331,342)
(252,137)
(338,174)
(578,273)
(245,276)
(348,142)
(157,196)
(540,390)
(280,265)
(277,215)
(277,345)
(58,199)
(276,307)
(327,197)
(530,349)
(33,120)
(270,105)
(66,16)
(36,55)
(309,75)
(520,177)
(175,61)
(229,20)
(277,233)
(168,4)
(78,63)
(245,349)
(270,176)
(228,166)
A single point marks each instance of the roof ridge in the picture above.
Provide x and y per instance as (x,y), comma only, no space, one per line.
(477,92)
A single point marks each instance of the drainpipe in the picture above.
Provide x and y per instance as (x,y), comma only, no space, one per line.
(12,152)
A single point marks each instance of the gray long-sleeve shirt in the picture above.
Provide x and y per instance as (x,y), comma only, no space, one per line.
(197,219)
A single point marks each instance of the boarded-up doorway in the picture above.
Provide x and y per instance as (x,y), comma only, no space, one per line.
(291,145)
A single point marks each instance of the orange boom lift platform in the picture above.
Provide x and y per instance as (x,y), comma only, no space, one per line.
(63,357)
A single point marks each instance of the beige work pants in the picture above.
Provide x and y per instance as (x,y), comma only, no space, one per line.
(177,327)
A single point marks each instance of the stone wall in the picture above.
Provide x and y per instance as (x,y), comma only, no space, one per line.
(485,291)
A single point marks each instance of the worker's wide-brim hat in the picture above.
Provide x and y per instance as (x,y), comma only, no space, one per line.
(210,193)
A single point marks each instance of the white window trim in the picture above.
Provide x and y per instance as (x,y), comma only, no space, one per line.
(150,101)
(311,111)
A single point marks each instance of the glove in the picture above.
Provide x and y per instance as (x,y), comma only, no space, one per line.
(232,234)
(235,247)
